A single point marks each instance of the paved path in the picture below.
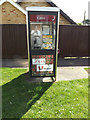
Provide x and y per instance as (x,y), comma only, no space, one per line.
(67,62)
(15,63)
(71,73)
(63,73)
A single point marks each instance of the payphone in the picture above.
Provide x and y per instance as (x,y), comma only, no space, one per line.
(42,36)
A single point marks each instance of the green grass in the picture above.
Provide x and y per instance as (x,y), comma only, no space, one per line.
(8,74)
(87,68)
(23,99)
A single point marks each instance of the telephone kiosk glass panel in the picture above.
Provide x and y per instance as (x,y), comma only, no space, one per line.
(42,28)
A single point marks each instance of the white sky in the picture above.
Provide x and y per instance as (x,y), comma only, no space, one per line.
(74,8)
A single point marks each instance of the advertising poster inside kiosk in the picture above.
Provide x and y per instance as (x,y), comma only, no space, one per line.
(42,31)
(42,65)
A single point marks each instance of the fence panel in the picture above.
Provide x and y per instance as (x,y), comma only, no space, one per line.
(73,41)
(14,41)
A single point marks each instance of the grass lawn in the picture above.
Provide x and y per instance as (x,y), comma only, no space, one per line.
(23,99)
(88,70)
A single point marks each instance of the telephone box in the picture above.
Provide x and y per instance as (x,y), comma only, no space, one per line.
(42,37)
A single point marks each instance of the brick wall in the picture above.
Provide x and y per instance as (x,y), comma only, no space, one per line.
(28,4)
(11,15)
(0,14)
(63,21)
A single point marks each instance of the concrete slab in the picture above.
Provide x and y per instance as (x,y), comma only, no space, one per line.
(71,73)
(40,79)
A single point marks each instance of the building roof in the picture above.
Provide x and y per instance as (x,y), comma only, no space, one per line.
(61,12)
(48,1)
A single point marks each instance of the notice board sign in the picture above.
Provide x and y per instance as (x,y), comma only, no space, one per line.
(42,65)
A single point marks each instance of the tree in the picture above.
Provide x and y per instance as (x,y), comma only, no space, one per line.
(86,22)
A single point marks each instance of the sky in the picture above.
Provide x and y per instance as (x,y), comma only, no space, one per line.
(74,8)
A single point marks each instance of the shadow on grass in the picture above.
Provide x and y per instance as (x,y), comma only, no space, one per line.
(19,95)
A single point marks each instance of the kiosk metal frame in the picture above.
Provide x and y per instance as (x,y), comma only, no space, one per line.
(41,13)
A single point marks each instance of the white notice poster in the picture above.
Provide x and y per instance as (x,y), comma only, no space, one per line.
(45,67)
(46,29)
(38,61)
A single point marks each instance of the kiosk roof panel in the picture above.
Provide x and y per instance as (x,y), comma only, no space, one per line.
(51,9)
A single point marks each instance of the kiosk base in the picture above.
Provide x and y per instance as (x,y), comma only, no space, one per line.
(53,79)
(41,79)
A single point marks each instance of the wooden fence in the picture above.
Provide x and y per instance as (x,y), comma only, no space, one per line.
(73,41)
(14,41)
